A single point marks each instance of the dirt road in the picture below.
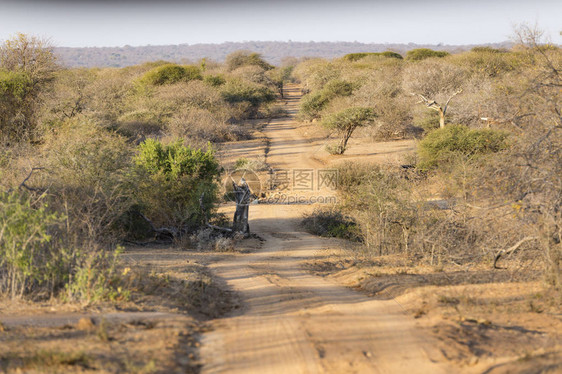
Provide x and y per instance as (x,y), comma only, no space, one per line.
(295,322)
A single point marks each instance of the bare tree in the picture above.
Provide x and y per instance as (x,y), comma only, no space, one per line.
(441,109)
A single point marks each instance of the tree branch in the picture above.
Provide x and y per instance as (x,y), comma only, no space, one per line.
(448,100)
(512,249)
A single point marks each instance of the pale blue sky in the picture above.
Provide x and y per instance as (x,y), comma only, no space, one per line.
(129,22)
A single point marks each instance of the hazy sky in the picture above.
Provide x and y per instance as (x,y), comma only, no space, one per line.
(76,23)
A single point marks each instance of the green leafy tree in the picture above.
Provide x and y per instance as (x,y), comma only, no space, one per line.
(345,123)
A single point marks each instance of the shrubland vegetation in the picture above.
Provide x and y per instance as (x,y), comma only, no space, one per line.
(483,185)
(90,158)
(93,157)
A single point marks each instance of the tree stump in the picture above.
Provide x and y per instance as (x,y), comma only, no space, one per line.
(242,195)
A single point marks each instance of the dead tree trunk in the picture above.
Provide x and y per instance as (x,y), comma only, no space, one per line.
(242,195)
(442,110)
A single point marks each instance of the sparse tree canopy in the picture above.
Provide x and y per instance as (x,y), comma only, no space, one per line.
(30,55)
(26,64)
(345,123)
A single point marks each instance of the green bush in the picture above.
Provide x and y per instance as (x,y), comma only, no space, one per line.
(331,223)
(15,110)
(457,140)
(172,179)
(39,254)
(358,56)
(337,87)
(95,277)
(486,50)
(312,104)
(238,59)
(214,80)
(171,73)
(423,53)
(26,253)
(237,91)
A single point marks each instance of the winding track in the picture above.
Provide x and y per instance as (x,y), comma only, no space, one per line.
(295,322)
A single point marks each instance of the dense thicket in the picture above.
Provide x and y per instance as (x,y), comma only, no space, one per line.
(488,180)
(92,157)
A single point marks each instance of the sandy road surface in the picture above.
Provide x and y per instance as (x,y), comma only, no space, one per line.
(295,322)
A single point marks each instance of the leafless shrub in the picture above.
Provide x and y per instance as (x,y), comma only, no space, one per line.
(205,125)
(251,73)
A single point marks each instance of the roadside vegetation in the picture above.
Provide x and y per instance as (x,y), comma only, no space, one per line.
(93,158)
(484,186)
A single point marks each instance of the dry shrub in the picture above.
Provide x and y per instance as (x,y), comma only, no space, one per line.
(209,239)
(315,73)
(331,223)
(194,94)
(109,94)
(204,125)
(435,79)
(394,217)
(88,178)
(251,73)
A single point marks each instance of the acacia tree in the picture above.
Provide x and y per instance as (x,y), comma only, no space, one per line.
(26,64)
(345,122)
(30,55)
(435,82)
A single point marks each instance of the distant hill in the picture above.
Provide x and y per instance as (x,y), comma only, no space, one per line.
(274,52)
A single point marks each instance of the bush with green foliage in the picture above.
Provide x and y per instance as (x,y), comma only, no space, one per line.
(331,223)
(237,91)
(26,247)
(312,104)
(238,59)
(444,144)
(171,73)
(423,53)
(172,179)
(337,87)
(15,90)
(214,80)
(360,55)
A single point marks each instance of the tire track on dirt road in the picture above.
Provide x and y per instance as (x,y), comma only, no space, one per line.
(292,321)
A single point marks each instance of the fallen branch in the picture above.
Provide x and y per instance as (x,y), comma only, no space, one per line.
(512,249)
(24,185)
(166,231)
